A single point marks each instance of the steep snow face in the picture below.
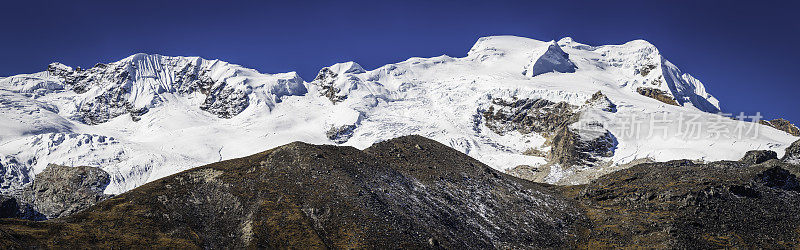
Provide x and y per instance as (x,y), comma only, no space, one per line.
(140,82)
(347,68)
(688,90)
(35,84)
(26,116)
(639,64)
(109,101)
(549,59)
(149,116)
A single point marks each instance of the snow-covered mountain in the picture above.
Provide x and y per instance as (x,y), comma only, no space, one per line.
(560,112)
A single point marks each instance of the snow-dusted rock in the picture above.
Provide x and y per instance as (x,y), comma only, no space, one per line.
(758,156)
(783,125)
(601,101)
(792,155)
(342,80)
(140,82)
(60,190)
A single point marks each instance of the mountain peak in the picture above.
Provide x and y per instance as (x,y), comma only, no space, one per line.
(349,67)
(58,68)
(566,40)
(549,59)
(139,55)
(639,43)
(490,46)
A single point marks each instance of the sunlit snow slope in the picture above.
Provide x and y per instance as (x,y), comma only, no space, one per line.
(148,116)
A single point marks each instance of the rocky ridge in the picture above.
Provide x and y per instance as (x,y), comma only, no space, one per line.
(415,192)
(681,204)
(136,84)
(782,125)
(407,192)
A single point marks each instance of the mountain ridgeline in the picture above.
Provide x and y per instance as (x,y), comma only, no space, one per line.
(554,111)
(413,192)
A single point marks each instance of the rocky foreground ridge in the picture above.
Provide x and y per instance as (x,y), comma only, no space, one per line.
(415,192)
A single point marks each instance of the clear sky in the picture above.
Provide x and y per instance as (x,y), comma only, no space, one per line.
(745,52)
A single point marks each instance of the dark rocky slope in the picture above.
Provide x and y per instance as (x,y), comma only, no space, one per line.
(408,192)
(412,192)
(679,204)
(751,203)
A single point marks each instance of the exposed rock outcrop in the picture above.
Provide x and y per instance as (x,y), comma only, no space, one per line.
(61,190)
(325,79)
(225,102)
(657,94)
(601,101)
(569,149)
(568,146)
(758,156)
(782,125)
(529,115)
(56,192)
(340,134)
(531,173)
(328,80)
(645,70)
(107,106)
(792,155)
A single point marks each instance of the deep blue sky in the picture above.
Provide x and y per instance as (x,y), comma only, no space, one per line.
(744,52)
